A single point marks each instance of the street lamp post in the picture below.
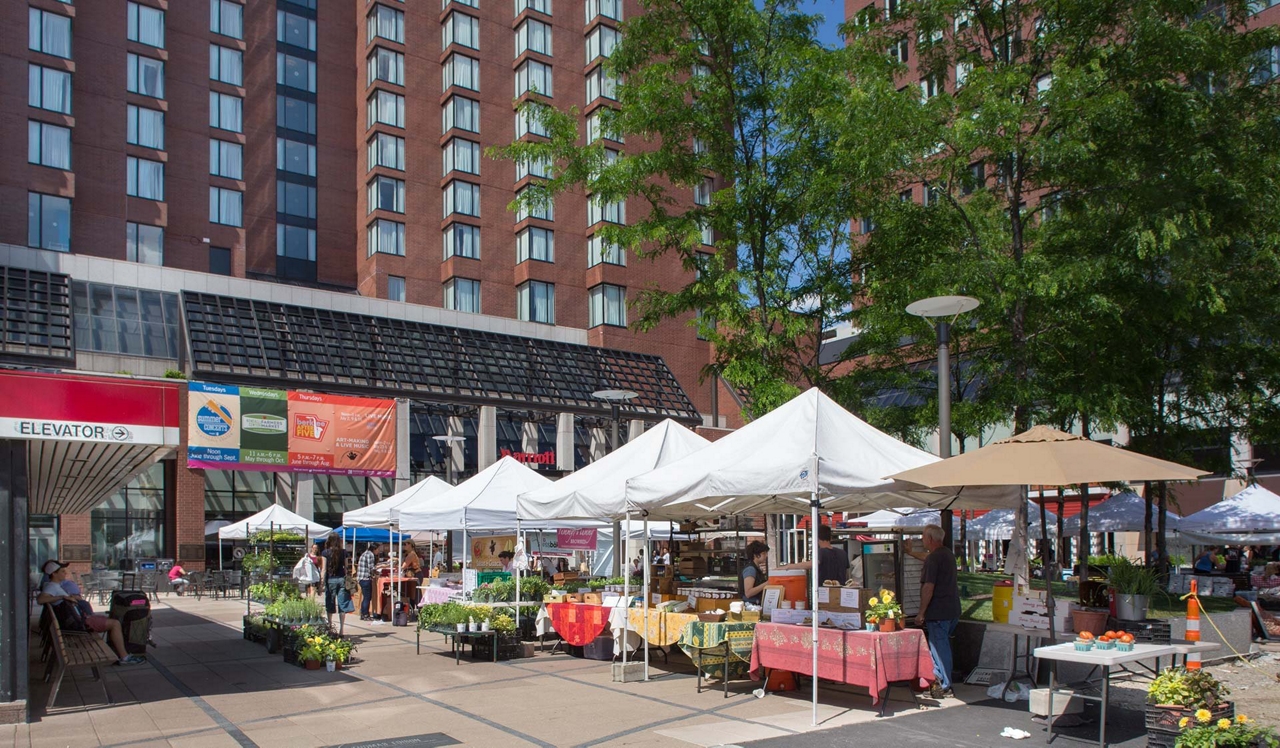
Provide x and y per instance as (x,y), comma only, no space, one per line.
(941,311)
(615,398)
(446,443)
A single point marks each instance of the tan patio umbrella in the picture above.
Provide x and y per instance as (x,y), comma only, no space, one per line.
(1047,457)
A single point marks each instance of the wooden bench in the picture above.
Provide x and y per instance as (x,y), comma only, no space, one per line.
(72,649)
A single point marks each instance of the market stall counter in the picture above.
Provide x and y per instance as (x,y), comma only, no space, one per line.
(719,650)
(407,589)
(661,629)
(871,659)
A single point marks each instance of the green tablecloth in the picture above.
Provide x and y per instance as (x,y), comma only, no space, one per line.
(712,645)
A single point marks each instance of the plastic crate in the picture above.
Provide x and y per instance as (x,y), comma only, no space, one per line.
(1165,719)
(485,577)
(600,649)
(1150,631)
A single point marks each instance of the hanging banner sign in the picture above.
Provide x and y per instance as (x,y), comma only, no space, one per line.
(583,539)
(485,550)
(252,428)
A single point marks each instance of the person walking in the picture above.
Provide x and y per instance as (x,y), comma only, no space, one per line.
(364,575)
(939,606)
(333,570)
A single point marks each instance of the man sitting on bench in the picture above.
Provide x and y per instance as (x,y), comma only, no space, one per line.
(65,607)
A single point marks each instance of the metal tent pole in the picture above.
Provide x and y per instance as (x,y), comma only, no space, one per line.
(813,519)
(620,544)
(520,547)
(644,566)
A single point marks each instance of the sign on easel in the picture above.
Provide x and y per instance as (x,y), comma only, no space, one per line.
(470,580)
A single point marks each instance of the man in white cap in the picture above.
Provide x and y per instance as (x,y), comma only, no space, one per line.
(53,593)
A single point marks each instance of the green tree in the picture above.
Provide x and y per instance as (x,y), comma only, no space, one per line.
(740,105)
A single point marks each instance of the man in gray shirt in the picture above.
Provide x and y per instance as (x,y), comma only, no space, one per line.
(939,606)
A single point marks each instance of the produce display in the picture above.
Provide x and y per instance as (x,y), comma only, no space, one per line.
(1121,641)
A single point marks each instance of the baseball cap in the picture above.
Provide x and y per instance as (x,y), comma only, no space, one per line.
(51,566)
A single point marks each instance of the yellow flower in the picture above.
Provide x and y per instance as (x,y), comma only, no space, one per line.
(873,601)
(888,596)
(1224,723)
(1241,719)
(1203,715)
(1183,722)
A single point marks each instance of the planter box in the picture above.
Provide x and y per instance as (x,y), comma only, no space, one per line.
(1162,722)
(509,647)
(254,631)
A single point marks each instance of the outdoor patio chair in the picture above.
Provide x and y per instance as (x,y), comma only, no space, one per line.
(197,583)
(150,585)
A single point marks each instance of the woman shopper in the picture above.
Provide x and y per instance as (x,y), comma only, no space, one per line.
(333,570)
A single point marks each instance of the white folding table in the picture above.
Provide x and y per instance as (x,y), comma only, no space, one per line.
(1103,659)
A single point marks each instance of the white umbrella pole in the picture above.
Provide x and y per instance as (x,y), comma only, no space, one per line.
(644,568)
(813,560)
(465,548)
(219,551)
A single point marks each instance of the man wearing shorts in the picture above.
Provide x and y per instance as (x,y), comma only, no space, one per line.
(54,594)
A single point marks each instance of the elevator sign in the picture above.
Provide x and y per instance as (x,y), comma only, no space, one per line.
(70,408)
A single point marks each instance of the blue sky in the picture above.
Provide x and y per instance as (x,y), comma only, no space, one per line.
(833,13)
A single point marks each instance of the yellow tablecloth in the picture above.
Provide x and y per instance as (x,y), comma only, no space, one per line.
(662,629)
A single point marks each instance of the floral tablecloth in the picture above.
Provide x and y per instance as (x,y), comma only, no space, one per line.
(576,623)
(381,588)
(435,595)
(711,645)
(661,629)
(870,659)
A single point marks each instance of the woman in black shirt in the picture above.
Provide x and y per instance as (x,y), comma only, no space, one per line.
(333,569)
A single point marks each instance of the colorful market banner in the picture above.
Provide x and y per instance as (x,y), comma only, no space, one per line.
(583,539)
(253,428)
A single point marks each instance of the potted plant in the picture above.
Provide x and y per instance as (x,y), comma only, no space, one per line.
(1133,584)
(1178,693)
(1202,731)
(885,610)
(313,651)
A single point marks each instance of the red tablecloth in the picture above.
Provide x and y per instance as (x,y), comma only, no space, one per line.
(870,659)
(381,591)
(576,623)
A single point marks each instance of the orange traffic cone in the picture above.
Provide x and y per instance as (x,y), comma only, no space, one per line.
(1193,626)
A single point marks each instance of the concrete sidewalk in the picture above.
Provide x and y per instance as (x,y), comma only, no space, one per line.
(206,686)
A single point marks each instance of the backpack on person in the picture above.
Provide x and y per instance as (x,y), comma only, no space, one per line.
(70,617)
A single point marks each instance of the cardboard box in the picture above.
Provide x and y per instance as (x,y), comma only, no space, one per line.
(565,576)
(592,598)
(844,599)
(708,604)
(657,598)
(746,616)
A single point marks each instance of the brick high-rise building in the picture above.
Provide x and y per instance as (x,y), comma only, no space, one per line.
(154,134)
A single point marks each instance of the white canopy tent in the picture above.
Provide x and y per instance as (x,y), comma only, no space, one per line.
(386,513)
(598,491)
(274,517)
(1122,512)
(808,448)
(892,519)
(806,455)
(485,501)
(997,524)
(1250,517)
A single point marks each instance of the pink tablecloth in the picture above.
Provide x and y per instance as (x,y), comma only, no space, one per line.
(869,659)
(437,594)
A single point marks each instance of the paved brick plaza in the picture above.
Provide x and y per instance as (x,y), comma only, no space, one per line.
(206,686)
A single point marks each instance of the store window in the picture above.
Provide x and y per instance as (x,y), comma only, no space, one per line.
(130,523)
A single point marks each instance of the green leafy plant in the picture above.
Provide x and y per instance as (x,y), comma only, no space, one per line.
(503,623)
(1202,731)
(299,610)
(273,591)
(174,374)
(1128,578)
(259,562)
(262,537)
(1192,689)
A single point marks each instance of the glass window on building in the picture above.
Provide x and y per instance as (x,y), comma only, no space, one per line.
(48,222)
(130,523)
(145,76)
(227,18)
(462,295)
(42,541)
(144,244)
(146,25)
(117,319)
(536,302)
(395,288)
(233,495)
(335,494)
